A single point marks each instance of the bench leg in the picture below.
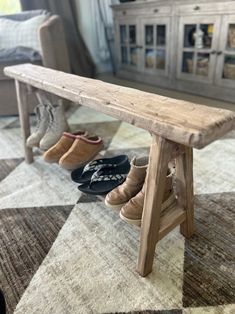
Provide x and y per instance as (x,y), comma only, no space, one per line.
(21,92)
(160,155)
(184,188)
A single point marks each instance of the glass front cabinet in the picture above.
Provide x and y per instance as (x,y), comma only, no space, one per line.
(144,45)
(197,47)
(155,46)
(206,50)
(186,47)
(225,70)
(128,39)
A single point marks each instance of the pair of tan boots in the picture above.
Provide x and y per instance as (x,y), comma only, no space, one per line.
(129,196)
(74,150)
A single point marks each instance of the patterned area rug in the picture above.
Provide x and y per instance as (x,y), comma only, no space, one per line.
(65,252)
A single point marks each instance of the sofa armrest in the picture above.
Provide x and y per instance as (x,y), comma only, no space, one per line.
(53,45)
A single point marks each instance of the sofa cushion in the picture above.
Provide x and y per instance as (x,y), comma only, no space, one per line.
(15,56)
(21,33)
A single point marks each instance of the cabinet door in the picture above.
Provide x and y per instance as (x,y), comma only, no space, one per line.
(128,39)
(155,45)
(198,41)
(225,70)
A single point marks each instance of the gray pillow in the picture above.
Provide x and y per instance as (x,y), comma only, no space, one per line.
(21,33)
(22,54)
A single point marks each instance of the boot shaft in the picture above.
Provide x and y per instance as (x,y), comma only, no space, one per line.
(42,115)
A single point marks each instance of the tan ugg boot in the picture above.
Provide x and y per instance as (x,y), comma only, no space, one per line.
(54,153)
(132,211)
(83,150)
(132,185)
(57,125)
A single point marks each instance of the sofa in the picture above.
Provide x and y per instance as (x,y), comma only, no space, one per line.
(53,54)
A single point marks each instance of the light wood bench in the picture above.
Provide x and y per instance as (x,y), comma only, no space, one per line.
(176,126)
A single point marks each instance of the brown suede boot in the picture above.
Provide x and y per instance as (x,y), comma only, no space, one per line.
(54,153)
(83,150)
(132,211)
(132,185)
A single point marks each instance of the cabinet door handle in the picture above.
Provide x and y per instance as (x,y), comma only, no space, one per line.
(155,11)
(138,47)
(219,53)
(213,52)
(196,8)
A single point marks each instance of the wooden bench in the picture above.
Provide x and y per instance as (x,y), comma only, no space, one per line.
(176,126)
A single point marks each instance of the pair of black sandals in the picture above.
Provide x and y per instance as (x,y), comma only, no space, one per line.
(101,176)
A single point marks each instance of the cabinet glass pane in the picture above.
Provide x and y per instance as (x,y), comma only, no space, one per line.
(161,35)
(123,34)
(132,34)
(231,37)
(202,65)
(160,59)
(229,67)
(133,56)
(149,58)
(189,31)
(187,64)
(124,58)
(204,35)
(149,34)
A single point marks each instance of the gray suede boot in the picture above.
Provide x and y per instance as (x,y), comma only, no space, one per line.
(42,125)
(57,125)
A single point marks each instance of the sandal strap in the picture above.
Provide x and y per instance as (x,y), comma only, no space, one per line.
(96,177)
(96,165)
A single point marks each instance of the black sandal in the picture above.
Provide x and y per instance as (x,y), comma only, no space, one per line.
(84,174)
(2,303)
(105,180)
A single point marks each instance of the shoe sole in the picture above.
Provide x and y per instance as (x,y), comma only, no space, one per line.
(32,146)
(137,222)
(115,207)
(51,161)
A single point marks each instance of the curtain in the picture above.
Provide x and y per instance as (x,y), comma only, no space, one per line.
(80,59)
(96,25)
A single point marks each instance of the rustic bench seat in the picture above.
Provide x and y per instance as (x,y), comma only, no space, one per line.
(176,126)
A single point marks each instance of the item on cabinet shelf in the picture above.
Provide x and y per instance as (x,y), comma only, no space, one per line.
(160,62)
(54,153)
(133,56)
(229,71)
(202,66)
(105,180)
(133,184)
(42,116)
(149,58)
(190,65)
(149,34)
(231,36)
(57,126)
(210,30)
(132,211)
(84,174)
(83,150)
(198,38)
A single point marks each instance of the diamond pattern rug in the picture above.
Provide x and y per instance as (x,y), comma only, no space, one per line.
(64,252)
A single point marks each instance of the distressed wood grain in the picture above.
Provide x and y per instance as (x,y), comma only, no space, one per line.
(176,120)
